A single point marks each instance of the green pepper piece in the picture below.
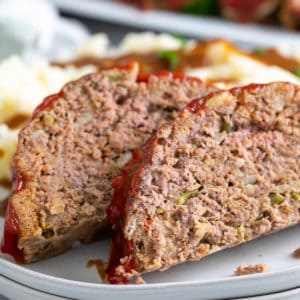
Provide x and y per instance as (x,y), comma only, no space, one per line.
(187,195)
(226,127)
(159,211)
(295,196)
(276,198)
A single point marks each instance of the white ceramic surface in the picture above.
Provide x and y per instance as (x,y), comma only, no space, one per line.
(211,278)
(199,27)
(293,294)
(15,291)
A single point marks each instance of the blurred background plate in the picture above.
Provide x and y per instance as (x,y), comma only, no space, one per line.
(194,26)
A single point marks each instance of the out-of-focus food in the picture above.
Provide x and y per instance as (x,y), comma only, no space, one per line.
(166,4)
(217,61)
(75,143)
(290,14)
(224,172)
(248,10)
(96,46)
(285,12)
(228,66)
(149,42)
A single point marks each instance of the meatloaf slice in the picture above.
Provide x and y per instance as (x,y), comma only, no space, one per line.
(74,144)
(224,172)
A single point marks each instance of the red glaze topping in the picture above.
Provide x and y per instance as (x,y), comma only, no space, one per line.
(125,187)
(47,102)
(194,105)
(166,73)
(200,103)
(244,10)
(9,243)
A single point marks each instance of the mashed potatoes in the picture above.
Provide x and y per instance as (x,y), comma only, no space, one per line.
(228,66)
(148,41)
(8,144)
(22,88)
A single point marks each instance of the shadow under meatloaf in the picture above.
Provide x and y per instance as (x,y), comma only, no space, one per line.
(73,146)
(224,172)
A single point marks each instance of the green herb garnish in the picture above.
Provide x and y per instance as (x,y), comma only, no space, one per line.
(226,127)
(187,195)
(259,51)
(202,7)
(276,198)
(171,57)
(297,72)
(295,196)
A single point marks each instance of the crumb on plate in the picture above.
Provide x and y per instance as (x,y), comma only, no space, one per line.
(251,269)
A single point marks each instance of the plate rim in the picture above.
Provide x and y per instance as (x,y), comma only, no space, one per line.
(11,266)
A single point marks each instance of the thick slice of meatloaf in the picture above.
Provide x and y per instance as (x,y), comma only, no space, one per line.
(224,172)
(75,143)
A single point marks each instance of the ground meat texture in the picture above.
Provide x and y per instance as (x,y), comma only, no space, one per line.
(224,172)
(251,269)
(74,145)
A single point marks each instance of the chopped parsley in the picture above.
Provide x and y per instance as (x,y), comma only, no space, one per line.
(297,72)
(226,127)
(259,51)
(171,57)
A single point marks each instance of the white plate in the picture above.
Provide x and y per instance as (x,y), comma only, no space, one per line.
(15,291)
(293,294)
(211,278)
(200,27)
